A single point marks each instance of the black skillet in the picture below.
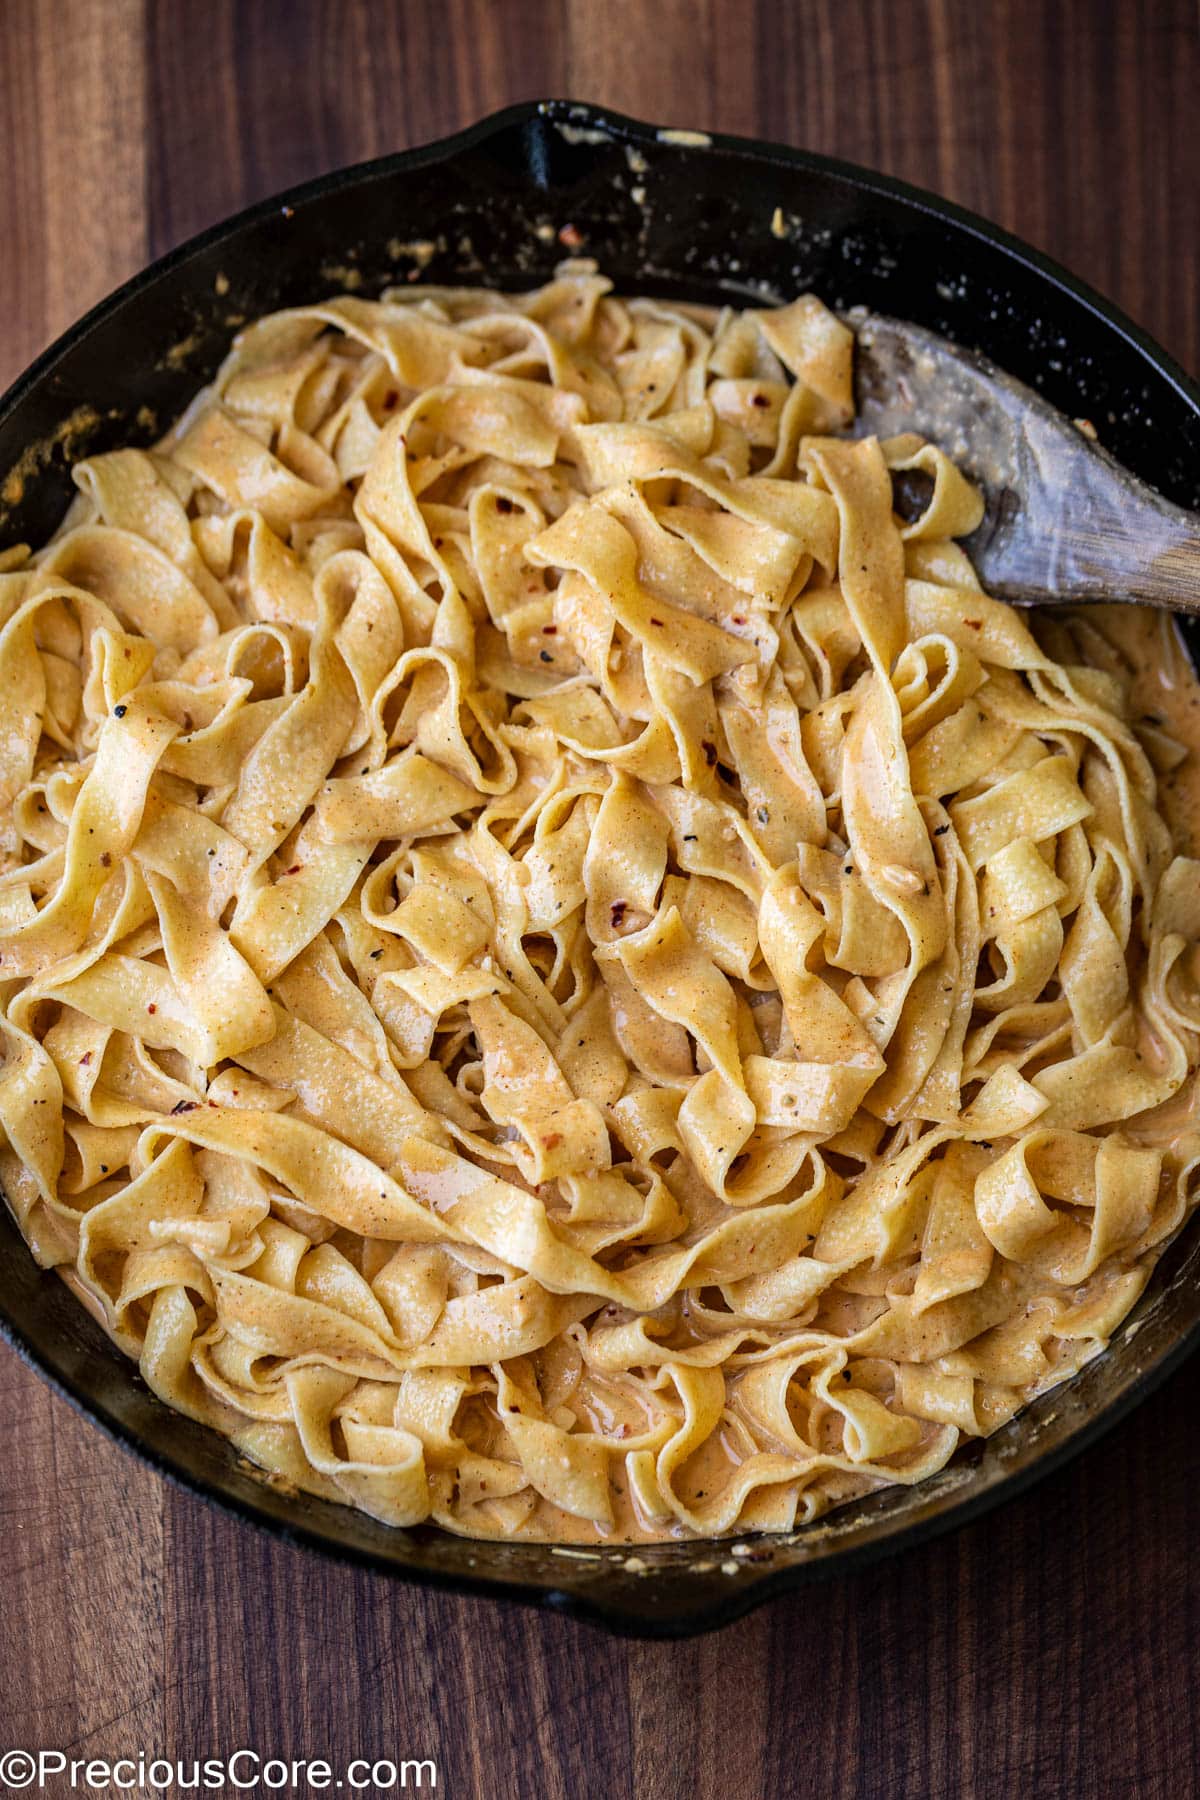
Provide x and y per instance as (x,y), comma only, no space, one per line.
(675,214)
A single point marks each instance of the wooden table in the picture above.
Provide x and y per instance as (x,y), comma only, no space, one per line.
(1050,1650)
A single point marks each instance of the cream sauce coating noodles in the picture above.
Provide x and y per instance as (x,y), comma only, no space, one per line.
(564,969)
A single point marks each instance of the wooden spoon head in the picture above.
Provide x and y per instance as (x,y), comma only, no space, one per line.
(1063,521)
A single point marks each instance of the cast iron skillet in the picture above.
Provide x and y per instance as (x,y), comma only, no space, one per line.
(698,219)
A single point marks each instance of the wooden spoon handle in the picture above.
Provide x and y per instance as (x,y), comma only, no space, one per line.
(1085,529)
(1147,554)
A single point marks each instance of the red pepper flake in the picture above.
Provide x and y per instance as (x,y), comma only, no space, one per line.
(759,400)
(85,1059)
(739,619)
(571,237)
(552,1140)
(619,909)
(549,630)
(182,1106)
(975,624)
(656,622)
(295,869)
(152,1008)
(106,859)
(710,752)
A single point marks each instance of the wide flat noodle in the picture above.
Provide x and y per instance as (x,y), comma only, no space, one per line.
(563,969)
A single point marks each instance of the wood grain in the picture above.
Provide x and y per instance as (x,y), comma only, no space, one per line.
(1050,1650)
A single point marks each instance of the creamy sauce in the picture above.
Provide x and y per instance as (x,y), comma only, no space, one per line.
(1143,646)
(783,1342)
(1165,699)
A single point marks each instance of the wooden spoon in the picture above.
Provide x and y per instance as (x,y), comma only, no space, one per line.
(1064,522)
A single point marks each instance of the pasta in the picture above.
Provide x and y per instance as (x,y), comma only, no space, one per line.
(563,969)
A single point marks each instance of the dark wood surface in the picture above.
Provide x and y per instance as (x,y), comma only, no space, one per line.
(1052,1649)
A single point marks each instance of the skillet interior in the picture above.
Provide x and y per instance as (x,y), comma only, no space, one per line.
(696,220)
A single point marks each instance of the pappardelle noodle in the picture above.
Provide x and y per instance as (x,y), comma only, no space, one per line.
(564,970)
